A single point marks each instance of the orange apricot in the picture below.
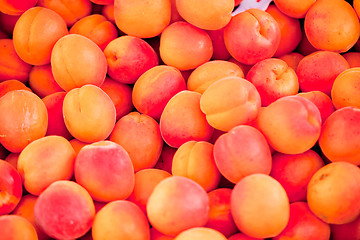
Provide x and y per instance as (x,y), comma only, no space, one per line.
(42,82)
(292,59)
(108,12)
(200,233)
(16,7)
(16,228)
(294,8)
(10,85)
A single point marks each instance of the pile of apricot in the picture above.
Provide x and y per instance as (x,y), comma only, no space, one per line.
(179,119)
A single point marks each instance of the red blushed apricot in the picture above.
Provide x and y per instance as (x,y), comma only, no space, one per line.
(35,34)
(244,67)
(120,95)
(10,188)
(156,235)
(318,71)
(175,16)
(209,15)
(230,102)
(353,58)
(145,182)
(16,7)
(108,12)
(241,152)
(8,22)
(200,233)
(289,28)
(291,124)
(105,170)
(208,73)
(140,135)
(326,191)
(77,145)
(121,220)
(42,82)
(322,101)
(273,79)
(57,163)
(86,121)
(342,25)
(16,228)
(346,231)
(11,65)
(345,91)
(252,36)
(176,204)
(26,119)
(11,85)
(305,47)
(77,61)
(70,10)
(294,8)
(56,125)
(340,138)
(64,210)
(97,28)
(220,51)
(142,19)
(242,236)
(154,88)
(292,59)
(260,206)
(294,171)
(195,161)
(128,57)
(220,217)
(185,46)
(166,158)
(182,120)
(12,158)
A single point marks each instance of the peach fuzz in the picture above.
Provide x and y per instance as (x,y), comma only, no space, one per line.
(185,46)
(273,79)
(230,102)
(208,73)
(42,82)
(142,19)
(154,88)
(346,231)
(25,119)
(16,228)
(209,15)
(35,34)
(11,85)
(122,220)
(252,36)
(345,91)
(241,152)
(340,138)
(97,28)
(242,236)
(105,170)
(64,210)
(200,233)
(294,171)
(195,161)
(11,188)
(220,51)
(120,95)
(326,191)
(294,8)
(128,57)
(220,217)
(353,58)
(292,59)
(176,204)
(317,71)
(166,158)
(260,206)
(54,106)
(70,11)
(77,61)
(140,136)
(342,25)
(291,124)
(182,120)
(86,121)
(16,7)
(11,65)
(156,235)
(145,182)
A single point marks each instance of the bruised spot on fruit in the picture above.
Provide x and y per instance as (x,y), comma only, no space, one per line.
(323,176)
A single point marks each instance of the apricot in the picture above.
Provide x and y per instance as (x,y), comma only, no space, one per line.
(185,46)
(154,88)
(16,228)
(8,22)
(182,120)
(42,82)
(166,158)
(12,158)
(305,47)
(156,235)
(77,61)
(200,233)
(86,121)
(10,85)
(353,58)
(220,51)
(339,139)
(291,124)
(142,19)
(16,7)
(140,136)
(230,102)
(128,57)
(294,8)
(252,36)
(64,210)
(242,236)
(260,206)
(346,231)
(77,145)
(176,204)
(121,220)
(25,119)
(326,191)
(105,170)
(108,12)
(292,59)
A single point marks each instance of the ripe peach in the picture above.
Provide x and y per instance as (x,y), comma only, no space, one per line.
(220,51)
(292,59)
(16,228)
(200,233)
(294,8)
(10,85)
(16,7)
(346,231)
(42,82)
